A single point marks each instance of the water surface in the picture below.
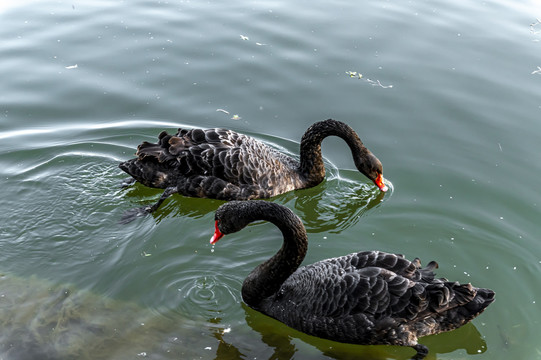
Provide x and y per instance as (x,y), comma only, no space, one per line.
(448,100)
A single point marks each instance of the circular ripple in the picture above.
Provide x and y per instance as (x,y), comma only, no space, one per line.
(207,294)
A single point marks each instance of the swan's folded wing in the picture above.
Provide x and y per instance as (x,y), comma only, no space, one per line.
(221,153)
(329,289)
(393,262)
(381,293)
(193,152)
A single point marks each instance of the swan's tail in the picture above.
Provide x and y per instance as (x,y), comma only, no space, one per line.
(149,173)
(451,306)
(464,313)
(154,165)
(482,299)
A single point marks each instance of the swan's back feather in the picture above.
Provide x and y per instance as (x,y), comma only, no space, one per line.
(235,158)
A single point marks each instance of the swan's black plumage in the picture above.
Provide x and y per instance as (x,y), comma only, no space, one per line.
(223,164)
(369,297)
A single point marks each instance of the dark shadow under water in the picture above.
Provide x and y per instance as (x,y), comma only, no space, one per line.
(45,321)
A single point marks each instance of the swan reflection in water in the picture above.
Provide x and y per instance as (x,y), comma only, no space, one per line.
(336,204)
(280,342)
(332,206)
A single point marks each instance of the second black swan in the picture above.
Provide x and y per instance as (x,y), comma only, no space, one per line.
(223,164)
(369,297)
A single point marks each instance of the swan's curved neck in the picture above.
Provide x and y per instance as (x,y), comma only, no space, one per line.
(266,279)
(311,161)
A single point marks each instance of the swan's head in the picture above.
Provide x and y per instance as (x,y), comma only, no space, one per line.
(231,217)
(236,215)
(371,167)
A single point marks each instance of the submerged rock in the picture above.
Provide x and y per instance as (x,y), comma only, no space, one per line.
(41,320)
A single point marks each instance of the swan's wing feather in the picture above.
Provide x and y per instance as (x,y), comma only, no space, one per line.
(221,153)
(334,288)
(393,262)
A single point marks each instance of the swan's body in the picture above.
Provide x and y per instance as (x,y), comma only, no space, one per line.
(223,164)
(370,297)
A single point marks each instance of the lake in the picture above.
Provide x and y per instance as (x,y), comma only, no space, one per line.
(446,94)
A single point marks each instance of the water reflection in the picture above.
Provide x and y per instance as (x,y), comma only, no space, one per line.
(138,196)
(335,205)
(224,350)
(279,338)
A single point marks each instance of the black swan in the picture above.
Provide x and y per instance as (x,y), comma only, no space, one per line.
(222,164)
(370,297)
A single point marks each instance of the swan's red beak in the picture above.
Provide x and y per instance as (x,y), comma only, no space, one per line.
(217,234)
(380,184)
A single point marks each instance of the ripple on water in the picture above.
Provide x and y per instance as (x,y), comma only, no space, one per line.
(338,203)
(207,295)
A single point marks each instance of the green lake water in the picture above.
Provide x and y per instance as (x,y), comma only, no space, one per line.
(449,100)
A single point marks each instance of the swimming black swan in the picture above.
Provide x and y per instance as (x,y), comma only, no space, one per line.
(370,297)
(223,164)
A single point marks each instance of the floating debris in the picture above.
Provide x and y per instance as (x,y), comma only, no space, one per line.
(234,117)
(354,74)
(246,38)
(377,83)
(358,75)
(72,67)
(538,71)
